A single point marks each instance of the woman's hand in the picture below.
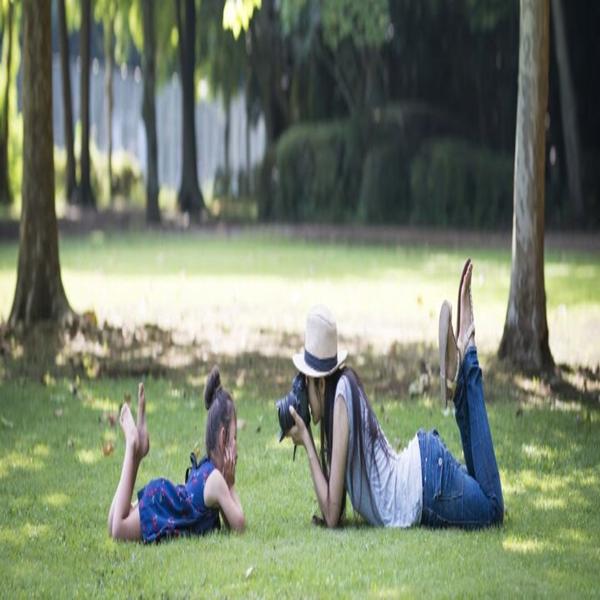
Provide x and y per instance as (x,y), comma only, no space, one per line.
(299,432)
(229,461)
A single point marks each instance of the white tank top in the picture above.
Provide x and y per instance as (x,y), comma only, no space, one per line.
(396,498)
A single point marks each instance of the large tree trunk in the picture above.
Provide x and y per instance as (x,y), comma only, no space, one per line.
(525,337)
(149,111)
(63,37)
(189,196)
(39,293)
(568,111)
(5,191)
(86,196)
(109,27)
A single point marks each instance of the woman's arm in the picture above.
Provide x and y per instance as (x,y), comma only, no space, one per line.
(218,493)
(329,493)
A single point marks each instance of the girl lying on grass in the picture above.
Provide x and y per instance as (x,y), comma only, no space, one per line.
(422,485)
(166,510)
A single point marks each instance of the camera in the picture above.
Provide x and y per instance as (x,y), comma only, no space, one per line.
(296,397)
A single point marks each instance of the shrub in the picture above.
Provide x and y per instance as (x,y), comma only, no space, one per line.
(317,172)
(454,182)
(385,187)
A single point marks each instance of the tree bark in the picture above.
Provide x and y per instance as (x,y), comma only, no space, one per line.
(109,27)
(149,111)
(525,338)
(189,196)
(86,195)
(5,191)
(39,293)
(63,37)
(568,111)
(226,135)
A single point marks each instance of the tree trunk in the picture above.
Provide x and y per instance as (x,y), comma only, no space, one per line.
(39,293)
(86,196)
(149,111)
(109,27)
(525,337)
(568,111)
(249,188)
(5,191)
(226,135)
(63,37)
(189,196)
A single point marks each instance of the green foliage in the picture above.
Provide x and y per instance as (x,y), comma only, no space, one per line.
(345,172)
(318,169)
(128,180)
(456,183)
(222,56)
(366,23)
(237,15)
(385,186)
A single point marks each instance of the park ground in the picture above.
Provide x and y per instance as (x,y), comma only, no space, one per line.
(165,306)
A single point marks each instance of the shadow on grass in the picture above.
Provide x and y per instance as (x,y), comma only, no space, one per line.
(405,371)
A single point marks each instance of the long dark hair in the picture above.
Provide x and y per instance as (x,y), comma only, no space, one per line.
(359,443)
(221,410)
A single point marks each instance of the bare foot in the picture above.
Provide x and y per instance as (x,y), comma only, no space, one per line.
(129,428)
(144,438)
(466,336)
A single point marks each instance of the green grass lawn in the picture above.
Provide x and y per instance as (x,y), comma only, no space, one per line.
(56,487)
(230,290)
(244,299)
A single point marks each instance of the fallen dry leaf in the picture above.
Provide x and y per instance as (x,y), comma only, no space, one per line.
(108,448)
(58,412)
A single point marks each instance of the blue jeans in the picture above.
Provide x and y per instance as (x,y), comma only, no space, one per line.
(454,495)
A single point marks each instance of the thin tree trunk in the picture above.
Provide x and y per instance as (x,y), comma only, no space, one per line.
(39,293)
(525,338)
(109,26)
(249,187)
(189,196)
(568,111)
(5,191)
(226,134)
(149,111)
(86,196)
(63,37)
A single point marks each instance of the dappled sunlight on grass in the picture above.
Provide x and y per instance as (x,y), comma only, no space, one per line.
(526,546)
(89,456)
(56,499)
(19,461)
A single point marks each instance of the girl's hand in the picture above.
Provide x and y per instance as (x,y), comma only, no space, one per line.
(229,467)
(299,432)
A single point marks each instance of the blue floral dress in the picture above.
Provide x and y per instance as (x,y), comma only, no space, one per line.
(169,510)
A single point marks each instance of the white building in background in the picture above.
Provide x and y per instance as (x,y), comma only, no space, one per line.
(129,132)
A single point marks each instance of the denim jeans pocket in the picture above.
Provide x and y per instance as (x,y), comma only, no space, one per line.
(451,481)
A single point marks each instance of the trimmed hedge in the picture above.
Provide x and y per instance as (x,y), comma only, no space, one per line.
(457,183)
(385,187)
(345,171)
(318,170)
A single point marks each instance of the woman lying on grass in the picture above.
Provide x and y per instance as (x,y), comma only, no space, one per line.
(167,510)
(424,484)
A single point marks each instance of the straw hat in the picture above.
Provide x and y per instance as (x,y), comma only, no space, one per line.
(320,355)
